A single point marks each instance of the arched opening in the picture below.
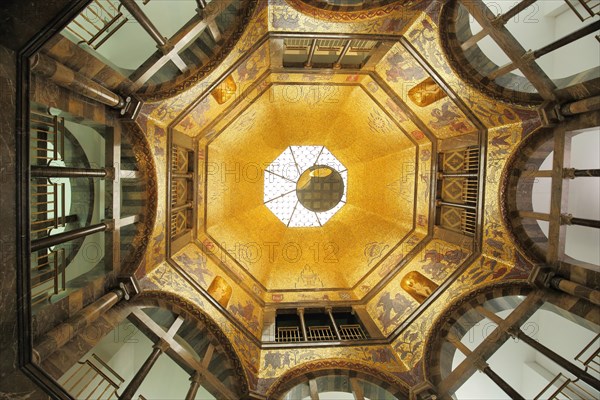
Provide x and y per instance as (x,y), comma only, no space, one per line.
(336,380)
(516,51)
(150,349)
(511,341)
(583,197)
(155,47)
(91,200)
(551,196)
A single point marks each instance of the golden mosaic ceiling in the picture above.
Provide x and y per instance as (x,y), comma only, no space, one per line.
(370,122)
(365,140)
(250,109)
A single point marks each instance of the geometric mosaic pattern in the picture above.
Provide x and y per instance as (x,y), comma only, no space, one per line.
(454,161)
(451,218)
(452,189)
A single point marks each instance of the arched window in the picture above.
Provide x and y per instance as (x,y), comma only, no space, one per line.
(552,192)
(515,342)
(517,51)
(157,46)
(74,196)
(151,349)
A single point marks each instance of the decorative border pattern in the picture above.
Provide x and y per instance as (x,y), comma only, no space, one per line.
(376,9)
(505,185)
(145,161)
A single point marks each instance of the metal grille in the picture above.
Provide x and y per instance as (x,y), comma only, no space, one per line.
(334,45)
(320,333)
(181,192)
(297,44)
(330,44)
(468,222)
(47,207)
(97,22)
(469,194)
(584,9)
(179,159)
(472,159)
(47,275)
(179,223)
(352,332)
(179,166)
(362,45)
(47,137)
(288,334)
(93,379)
(566,388)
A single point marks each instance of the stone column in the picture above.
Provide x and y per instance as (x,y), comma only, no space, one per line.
(581,106)
(311,53)
(575,289)
(335,328)
(63,333)
(502,384)
(63,76)
(64,237)
(302,323)
(338,63)
(196,380)
(568,219)
(159,347)
(65,172)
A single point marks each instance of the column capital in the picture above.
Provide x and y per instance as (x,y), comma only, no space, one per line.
(165,48)
(569,173)
(162,345)
(110,224)
(423,391)
(480,364)
(110,173)
(197,376)
(566,219)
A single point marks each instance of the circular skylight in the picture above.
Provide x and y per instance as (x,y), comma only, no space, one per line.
(305,186)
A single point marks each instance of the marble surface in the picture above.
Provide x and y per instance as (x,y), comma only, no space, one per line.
(21,20)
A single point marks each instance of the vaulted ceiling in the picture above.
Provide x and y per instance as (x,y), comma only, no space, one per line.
(251,108)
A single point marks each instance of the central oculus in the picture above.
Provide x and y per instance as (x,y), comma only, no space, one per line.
(305,186)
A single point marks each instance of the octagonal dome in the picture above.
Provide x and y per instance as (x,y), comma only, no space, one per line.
(376,208)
